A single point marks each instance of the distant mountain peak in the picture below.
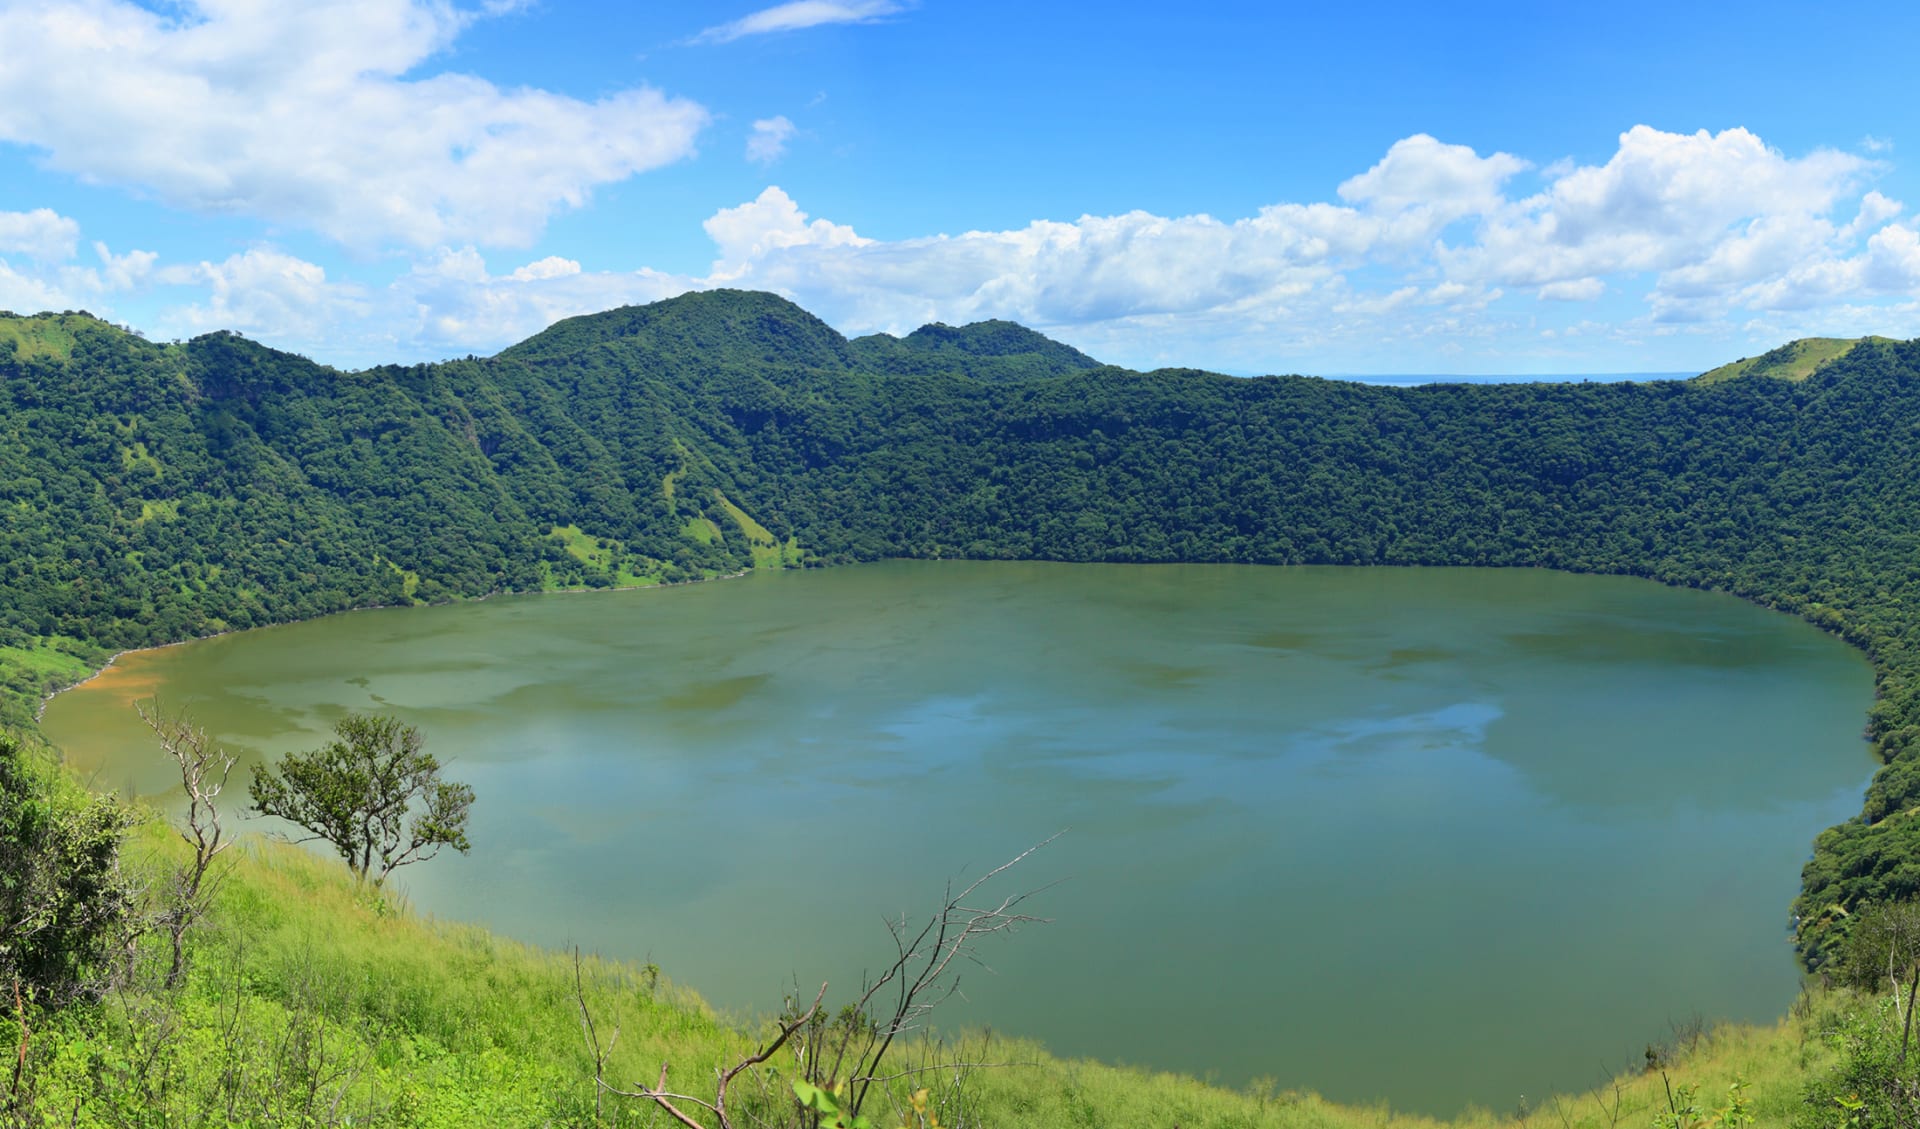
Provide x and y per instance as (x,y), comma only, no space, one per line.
(720,323)
(754,327)
(992,351)
(995,338)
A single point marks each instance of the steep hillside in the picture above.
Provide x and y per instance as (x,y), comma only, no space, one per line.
(153,492)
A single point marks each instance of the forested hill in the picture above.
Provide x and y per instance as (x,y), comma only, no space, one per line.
(154,492)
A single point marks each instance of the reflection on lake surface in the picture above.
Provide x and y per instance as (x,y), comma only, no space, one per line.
(1438,835)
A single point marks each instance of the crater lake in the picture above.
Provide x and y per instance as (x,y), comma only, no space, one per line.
(1439,836)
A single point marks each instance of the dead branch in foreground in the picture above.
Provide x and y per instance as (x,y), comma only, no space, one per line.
(839,1059)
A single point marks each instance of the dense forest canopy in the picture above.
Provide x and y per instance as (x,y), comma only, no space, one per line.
(154,492)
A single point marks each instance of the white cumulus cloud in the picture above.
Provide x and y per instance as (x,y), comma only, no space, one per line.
(1892,261)
(122,272)
(28,294)
(1428,242)
(1663,201)
(39,271)
(41,234)
(553,266)
(1436,251)
(453,303)
(447,303)
(1433,183)
(265,292)
(1574,290)
(304,112)
(769,223)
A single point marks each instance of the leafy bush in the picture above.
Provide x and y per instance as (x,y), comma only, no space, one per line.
(1876,1084)
(65,906)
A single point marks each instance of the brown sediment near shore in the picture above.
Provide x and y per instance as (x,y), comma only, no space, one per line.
(123,675)
(114,669)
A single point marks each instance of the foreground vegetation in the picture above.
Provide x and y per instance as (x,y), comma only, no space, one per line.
(312,999)
(153,492)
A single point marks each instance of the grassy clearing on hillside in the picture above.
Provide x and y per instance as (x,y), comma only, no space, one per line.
(1796,360)
(138,458)
(602,555)
(28,674)
(768,552)
(165,510)
(311,1000)
(409,579)
(44,336)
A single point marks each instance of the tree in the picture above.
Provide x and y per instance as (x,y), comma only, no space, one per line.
(64,903)
(357,792)
(204,768)
(1885,944)
(65,906)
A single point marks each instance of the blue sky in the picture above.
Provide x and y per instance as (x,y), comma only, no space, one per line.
(1487,188)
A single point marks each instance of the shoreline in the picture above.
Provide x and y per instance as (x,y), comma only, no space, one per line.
(40,711)
(114,661)
(1108,582)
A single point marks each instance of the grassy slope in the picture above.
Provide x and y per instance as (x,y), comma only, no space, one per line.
(45,335)
(402,1020)
(1796,360)
(601,555)
(767,552)
(29,674)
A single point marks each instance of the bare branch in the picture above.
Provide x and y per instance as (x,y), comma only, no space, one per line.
(204,769)
(767,1052)
(662,1097)
(922,967)
(921,976)
(600,1054)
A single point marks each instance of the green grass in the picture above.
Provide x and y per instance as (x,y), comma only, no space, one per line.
(305,980)
(137,457)
(303,985)
(409,579)
(584,548)
(164,510)
(46,335)
(602,555)
(767,551)
(1796,360)
(29,673)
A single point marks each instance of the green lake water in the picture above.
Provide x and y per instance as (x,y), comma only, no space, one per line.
(1434,835)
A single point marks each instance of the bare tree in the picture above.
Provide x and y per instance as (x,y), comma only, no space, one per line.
(1898,928)
(204,768)
(838,1060)
(592,1033)
(922,976)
